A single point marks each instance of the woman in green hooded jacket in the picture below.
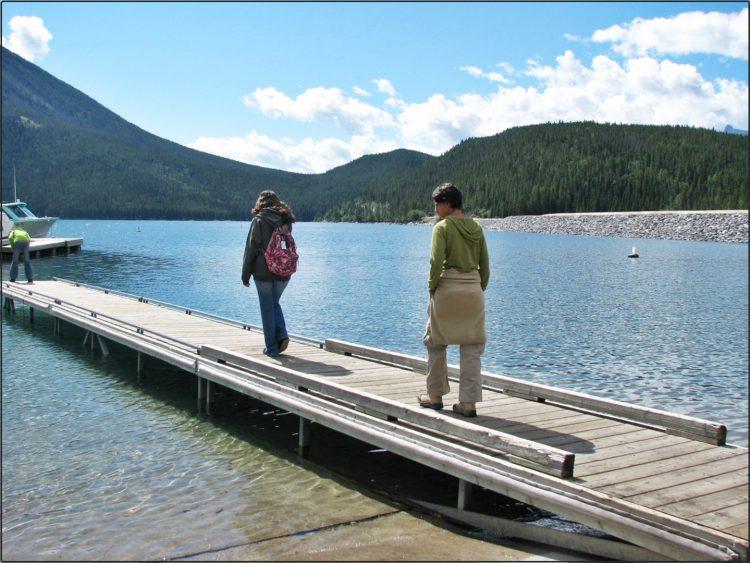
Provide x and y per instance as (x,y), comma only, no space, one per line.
(459,274)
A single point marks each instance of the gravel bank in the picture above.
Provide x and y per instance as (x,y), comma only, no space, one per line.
(715,226)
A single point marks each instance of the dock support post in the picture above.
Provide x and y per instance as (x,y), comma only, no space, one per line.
(139,367)
(103,345)
(304,437)
(9,305)
(86,338)
(31,315)
(464,494)
(209,396)
(201,382)
(54,251)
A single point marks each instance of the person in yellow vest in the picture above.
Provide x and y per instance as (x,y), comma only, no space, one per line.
(19,241)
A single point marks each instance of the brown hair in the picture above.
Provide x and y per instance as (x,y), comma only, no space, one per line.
(449,193)
(269,200)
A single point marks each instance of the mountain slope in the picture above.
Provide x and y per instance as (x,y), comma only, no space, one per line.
(76,158)
(574,167)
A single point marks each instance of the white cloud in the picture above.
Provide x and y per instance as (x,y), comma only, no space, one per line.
(327,104)
(491,76)
(690,32)
(507,67)
(473,70)
(642,90)
(384,85)
(394,102)
(361,91)
(639,90)
(574,38)
(28,37)
(308,155)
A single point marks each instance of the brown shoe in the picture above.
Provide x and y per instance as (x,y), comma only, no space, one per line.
(468,412)
(426,403)
(283,344)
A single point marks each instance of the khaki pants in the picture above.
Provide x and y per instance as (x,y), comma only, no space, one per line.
(470,380)
(456,316)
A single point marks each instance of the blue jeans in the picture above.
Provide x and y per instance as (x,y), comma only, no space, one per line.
(274,327)
(18,248)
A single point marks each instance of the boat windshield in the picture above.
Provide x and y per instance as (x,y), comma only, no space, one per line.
(18,211)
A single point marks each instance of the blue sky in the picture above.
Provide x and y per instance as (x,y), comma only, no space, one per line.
(274,84)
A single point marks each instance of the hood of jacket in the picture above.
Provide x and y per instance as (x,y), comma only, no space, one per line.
(273,218)
(466,227)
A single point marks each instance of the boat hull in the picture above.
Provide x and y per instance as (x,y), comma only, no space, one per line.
(37,227)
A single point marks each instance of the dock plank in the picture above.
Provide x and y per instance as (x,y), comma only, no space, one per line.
(676,492)
(657,468)
(707,503)
(518,409)
(633,435)
(616,431)
(690,475)
(634,459)
(741,530)
(725,517)
(539,420)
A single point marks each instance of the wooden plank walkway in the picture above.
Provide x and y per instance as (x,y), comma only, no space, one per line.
(661,481)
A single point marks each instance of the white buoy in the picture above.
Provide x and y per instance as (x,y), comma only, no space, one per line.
(633,253)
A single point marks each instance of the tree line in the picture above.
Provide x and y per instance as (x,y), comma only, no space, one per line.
(570,167)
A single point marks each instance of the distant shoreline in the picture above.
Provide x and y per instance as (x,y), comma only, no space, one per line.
(709,226)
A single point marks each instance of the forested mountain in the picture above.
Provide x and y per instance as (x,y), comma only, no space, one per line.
(75,158)
(573,167)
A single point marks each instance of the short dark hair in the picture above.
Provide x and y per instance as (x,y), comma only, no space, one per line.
(449,193)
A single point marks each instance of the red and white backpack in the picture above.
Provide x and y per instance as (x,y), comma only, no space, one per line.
(281,252)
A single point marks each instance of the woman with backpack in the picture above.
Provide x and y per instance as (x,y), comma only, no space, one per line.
(270,258)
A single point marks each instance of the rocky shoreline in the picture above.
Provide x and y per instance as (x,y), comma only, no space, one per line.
(713,226)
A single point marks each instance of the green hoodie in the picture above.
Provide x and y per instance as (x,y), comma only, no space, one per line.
(458,242)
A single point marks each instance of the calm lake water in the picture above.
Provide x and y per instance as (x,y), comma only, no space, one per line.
(88,454)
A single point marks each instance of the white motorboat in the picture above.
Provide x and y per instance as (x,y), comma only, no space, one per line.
(17,213)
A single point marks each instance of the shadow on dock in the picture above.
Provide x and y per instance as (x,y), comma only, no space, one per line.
(326,369)
(562,440)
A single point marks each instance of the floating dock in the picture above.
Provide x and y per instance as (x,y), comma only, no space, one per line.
(666,484)
(47,246)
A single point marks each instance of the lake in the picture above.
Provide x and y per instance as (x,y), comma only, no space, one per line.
(88,454)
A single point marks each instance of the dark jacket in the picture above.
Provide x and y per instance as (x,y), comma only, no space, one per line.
(261,229)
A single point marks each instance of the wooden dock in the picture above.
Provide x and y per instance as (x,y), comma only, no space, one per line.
(47,246)
(666,484)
